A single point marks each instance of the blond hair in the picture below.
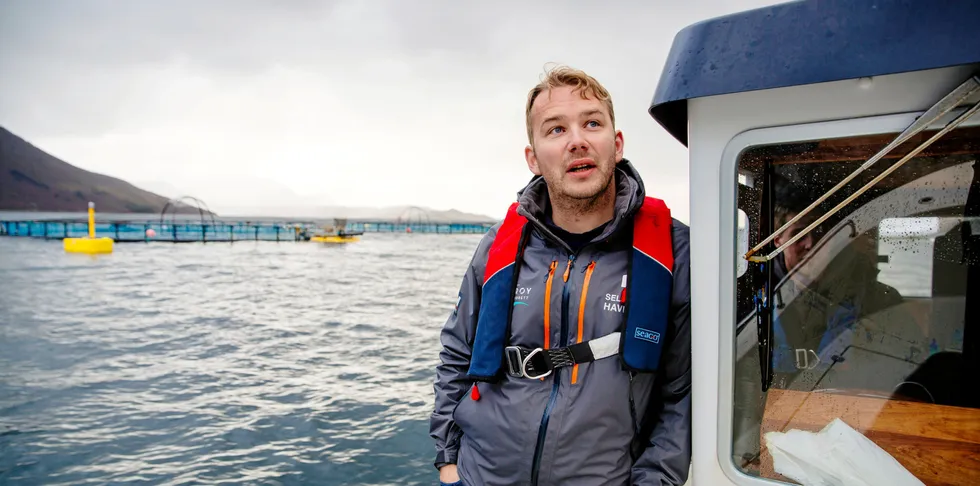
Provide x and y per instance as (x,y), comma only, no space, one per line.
(578,80)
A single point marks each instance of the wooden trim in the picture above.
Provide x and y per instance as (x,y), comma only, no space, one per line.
(938,444)
(962,141)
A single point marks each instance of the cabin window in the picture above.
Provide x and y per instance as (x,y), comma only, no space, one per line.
(873,316)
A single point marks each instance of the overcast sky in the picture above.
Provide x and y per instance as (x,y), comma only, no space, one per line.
(359,103)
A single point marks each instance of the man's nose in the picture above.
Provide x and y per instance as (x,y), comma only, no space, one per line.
(577,141)
(807,242)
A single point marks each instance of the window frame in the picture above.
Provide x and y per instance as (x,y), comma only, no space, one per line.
(728,247)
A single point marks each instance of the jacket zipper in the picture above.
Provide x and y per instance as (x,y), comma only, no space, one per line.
(547,304)
(581,313)
(543,428)
(636,428)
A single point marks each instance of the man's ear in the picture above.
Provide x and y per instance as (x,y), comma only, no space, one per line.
(780,238)
(619,145)
(532,160)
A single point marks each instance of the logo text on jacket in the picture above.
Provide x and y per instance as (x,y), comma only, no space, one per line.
(613,304)
(647,335)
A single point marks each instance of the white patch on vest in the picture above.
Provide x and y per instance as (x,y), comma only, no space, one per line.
(605,346)
(624,282)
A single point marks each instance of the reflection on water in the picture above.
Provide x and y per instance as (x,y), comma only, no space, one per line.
(288,363)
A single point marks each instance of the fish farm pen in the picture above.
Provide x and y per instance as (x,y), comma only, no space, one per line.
(215,231)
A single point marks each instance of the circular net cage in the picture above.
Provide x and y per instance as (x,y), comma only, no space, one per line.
(187,206)
(414,215)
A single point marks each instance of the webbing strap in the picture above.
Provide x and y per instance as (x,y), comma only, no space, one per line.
(539,363)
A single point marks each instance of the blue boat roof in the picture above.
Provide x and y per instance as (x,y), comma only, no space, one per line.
(809,42)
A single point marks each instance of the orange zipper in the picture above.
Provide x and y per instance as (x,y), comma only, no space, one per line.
(547,304)
(581,311)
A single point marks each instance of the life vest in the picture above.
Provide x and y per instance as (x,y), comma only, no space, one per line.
(645,319)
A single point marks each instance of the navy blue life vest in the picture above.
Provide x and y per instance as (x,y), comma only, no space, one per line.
(650,277)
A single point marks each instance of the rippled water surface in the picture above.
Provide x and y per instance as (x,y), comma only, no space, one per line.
(266,363)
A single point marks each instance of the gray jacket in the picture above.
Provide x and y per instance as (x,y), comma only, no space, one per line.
(582,434)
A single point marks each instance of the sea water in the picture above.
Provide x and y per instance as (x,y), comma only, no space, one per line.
(233,363)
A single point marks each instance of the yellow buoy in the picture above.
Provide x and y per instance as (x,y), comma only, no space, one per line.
(90,244)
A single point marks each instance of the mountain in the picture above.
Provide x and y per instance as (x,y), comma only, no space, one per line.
(409,214)
(33,180)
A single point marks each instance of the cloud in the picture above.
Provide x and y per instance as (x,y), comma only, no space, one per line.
(367,103)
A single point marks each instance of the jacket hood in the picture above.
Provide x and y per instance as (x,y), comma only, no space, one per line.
(534,202)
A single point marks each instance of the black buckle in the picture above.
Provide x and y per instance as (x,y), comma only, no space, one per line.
(527,363)
(512,355)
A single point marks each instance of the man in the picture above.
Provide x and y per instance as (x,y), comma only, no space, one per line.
(824,301)
(793,254)
(790,200)
(567,358)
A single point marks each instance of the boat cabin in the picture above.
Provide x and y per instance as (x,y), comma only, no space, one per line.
(836,251)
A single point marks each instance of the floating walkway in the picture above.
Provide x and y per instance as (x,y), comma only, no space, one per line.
(217,231)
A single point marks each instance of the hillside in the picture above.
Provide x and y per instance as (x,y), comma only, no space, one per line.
(32,180)
(397,213)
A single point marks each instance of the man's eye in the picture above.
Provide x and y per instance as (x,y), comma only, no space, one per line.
(556,130)
(593,123)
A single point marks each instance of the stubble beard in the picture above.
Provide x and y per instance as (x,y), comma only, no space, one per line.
(578,205)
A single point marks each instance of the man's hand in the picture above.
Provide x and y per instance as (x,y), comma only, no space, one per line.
(448,474)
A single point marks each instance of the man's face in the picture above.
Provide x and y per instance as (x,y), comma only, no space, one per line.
(575,147)
(794,254)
